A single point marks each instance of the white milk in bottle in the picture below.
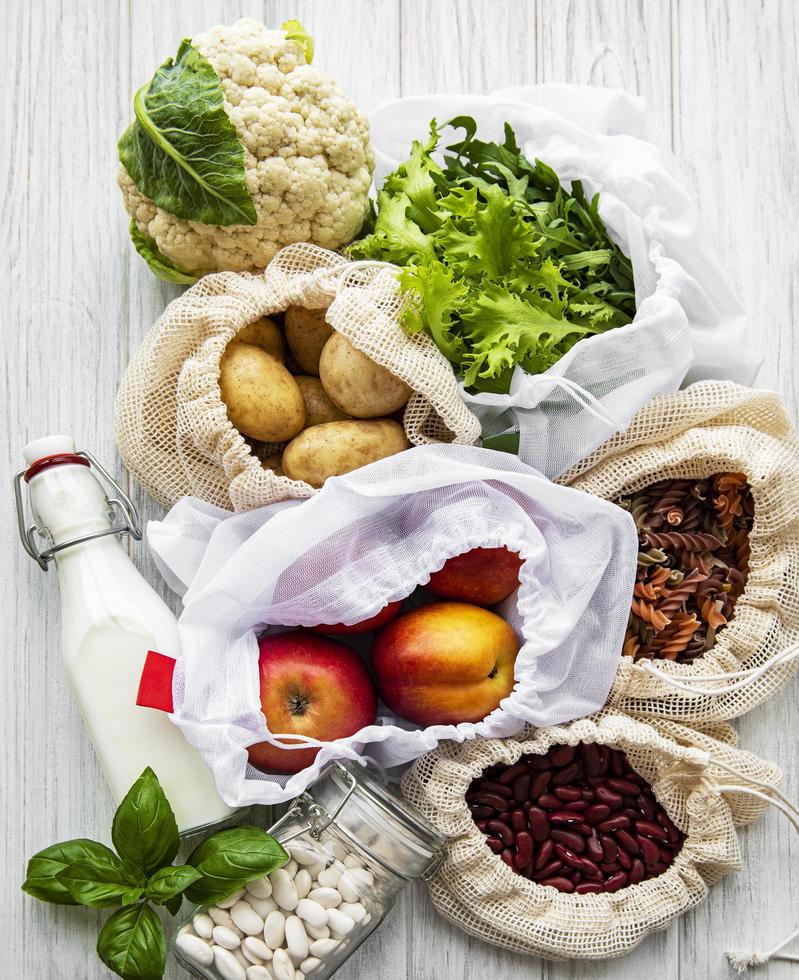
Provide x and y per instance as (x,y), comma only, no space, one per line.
(110,619)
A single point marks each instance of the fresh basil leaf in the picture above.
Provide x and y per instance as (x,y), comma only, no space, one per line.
(132,895)
(132,944)
(159,264)
(183,151)
(100,882)
(144,831)
(230,859)
(296,32)
(166,883)
(41,880)
(173,904)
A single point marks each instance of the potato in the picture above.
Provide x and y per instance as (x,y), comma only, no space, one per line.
(266,334)
(334,448)
(263,400)
(307,332)
(318,406)
(273,462)
(356,384)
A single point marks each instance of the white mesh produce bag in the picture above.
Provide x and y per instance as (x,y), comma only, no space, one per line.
(370,538)
(689,323)
(707,786)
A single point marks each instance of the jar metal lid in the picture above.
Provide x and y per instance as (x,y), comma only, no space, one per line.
(388,828)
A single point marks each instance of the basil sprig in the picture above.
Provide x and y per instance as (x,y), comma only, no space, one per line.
(140,872)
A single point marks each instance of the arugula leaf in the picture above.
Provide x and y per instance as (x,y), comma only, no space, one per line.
(44,867)
(167,883)
(183,151)
(502,265)
(144,830)
(230,859)
(101,881)
(160,265)
(296,32)
(132,944)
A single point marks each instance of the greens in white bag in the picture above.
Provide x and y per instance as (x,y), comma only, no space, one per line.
(370,538)
(566,395)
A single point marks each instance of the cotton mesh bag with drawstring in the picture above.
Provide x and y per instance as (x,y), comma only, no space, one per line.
(710,428)
(171,424)
(706,785)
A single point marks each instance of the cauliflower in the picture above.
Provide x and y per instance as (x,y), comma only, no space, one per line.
(307,159)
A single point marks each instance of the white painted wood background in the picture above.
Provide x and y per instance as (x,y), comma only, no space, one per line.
(722,80)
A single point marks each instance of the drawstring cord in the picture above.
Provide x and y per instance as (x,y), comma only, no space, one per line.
(740,960)
(740,678)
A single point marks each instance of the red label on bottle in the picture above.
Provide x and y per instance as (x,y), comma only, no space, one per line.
(155,687)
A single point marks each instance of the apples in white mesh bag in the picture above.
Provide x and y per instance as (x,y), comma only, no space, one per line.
(370,538)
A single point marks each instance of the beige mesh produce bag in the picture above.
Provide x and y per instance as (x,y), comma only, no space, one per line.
(688,771)
(171,424)
(708,428)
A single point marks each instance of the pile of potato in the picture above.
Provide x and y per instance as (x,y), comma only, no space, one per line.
(306,386)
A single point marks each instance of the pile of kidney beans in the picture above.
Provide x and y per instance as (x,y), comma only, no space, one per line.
(578,818)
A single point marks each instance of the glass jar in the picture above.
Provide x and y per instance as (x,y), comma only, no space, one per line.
(354,844)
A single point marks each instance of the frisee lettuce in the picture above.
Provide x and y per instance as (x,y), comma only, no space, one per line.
(503,265)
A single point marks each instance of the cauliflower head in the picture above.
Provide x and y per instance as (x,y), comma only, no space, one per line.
(307,158)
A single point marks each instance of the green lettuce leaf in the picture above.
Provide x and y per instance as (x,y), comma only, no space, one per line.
(183,151)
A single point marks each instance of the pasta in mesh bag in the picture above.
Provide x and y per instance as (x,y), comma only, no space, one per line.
(171,424)
(711,477)
(704,783)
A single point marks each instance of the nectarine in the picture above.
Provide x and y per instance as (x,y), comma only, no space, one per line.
(386,614)
(309,686)
(484,576)
(445,663)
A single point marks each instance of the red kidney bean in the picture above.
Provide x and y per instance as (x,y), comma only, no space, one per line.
(538,762)
(482,812)
(518,820)
(565,816)
(619,822)
(545,853)
(650,852)
(649,829)
(637,871)
(539,825)
(521,788)
(510,774)
(568,857)
(587,794)
(502,831)
(573,841)
(589,753)
(482,825)
(524,849)
(617,881)
(609,848)
(539,783)
(493,800)
(617,763)
(624,859)
(495,844)
(594,849)
(597,812)
(628,842)
(548,870)
(494,786)
(589,888)
(623,786)
(646,806)
(631,812)
(590,868)
(608,796)
(659,868)
(569,793)
(507,857)
(666,856)
(566,775)
(610,867)
(578,806)
(562,755)
(549,802)
(562,884)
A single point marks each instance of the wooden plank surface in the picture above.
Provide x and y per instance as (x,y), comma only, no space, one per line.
(722,81)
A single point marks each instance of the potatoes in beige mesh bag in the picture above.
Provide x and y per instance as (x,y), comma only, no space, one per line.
(708,429)
(705,785)
(172,425)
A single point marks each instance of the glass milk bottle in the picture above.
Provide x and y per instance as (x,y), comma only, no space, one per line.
(110,619)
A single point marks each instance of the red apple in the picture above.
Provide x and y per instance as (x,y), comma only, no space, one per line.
(386,614)
(445,663)
(309,686)
(484,576)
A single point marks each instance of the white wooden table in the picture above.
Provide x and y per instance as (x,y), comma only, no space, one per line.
(722,80)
